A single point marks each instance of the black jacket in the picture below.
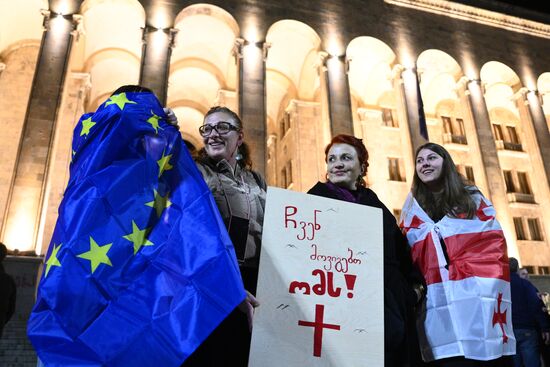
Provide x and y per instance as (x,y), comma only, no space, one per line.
(400,344)
(7,298)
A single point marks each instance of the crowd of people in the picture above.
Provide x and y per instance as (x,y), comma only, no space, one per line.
(446,269)
(447,262)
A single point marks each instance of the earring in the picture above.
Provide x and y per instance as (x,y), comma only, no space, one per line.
(238,156)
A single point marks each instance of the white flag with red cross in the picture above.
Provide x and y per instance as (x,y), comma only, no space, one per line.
(467,310)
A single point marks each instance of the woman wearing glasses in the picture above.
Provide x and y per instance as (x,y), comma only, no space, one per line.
(240,194)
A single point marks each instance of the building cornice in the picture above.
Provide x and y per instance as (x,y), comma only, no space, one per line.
(477,15)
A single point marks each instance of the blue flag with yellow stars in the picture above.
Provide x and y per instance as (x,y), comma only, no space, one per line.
(140,268)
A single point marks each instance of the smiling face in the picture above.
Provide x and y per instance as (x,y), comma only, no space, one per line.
(429,166)
(224,146)
(343,166)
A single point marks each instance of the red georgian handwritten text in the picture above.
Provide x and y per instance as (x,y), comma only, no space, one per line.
(307,229)
(340,264)
(325,285)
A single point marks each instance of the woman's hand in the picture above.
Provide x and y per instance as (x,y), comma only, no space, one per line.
(171,117)
(247,306)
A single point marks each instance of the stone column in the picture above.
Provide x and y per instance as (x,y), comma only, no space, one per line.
(76,91)
(25,198)
(155,59)
(474,143)
(252,102)
(490,162)
(409,136)
(339,99)
(412,102)
(538,129)
(537,145)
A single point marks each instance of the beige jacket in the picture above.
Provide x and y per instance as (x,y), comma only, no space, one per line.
(239,193)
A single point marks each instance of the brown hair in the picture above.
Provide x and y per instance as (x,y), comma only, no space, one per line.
(454,200)
(362,153)
(243,158)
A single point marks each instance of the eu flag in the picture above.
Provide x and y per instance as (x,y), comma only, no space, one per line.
(140,268)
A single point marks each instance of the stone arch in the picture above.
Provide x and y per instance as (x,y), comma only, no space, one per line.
(294,93)
(112,45)
(203,68)
(23,24)
(370,61)
(438,73)
(501,83)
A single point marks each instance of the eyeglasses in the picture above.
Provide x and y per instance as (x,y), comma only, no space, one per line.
(221,128)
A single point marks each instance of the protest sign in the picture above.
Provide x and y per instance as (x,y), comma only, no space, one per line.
(320,285)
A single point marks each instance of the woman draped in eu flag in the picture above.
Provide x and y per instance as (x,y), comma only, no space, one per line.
(457,243)
(240,195)
(140,268)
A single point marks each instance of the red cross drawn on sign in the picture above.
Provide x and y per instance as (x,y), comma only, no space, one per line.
(318,327)
(500,318)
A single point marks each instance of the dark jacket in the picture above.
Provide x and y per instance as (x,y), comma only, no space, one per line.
(400,344)
(526,305)
(7,298)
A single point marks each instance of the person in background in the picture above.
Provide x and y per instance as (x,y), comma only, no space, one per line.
(528,319)
(523,273)
(347,162)
(7,292)
(459,247)
(240,195)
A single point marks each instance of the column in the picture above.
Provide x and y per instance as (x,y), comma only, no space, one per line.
(25,198)
(339,99)
(539,128)
(77,89)
(474,144)
(490,161)
(409,135)
(412,103)
(252,103)
(537,145)
(155,59)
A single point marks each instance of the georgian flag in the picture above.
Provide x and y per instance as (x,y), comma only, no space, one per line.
(467,311)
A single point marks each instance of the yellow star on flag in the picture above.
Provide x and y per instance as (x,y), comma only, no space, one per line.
(52,260)
(120,100)
(160,203)
(97,254)
(137,237)
(86,126)
(164,163)
(154,122)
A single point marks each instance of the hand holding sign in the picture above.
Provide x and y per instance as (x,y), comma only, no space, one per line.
(321,284)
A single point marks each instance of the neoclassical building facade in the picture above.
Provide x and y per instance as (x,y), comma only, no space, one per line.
(297,73)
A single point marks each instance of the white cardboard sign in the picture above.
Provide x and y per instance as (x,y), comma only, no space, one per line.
(320,285)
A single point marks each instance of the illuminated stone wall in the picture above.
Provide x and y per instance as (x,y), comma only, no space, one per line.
(340,67)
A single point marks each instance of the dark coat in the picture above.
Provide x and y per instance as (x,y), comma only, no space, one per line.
(7,298)
(526,305)
(400,344)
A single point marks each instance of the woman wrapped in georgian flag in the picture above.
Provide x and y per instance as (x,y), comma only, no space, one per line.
(458,245)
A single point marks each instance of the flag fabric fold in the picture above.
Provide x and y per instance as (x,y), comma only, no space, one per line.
(467,310)
(140,268)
